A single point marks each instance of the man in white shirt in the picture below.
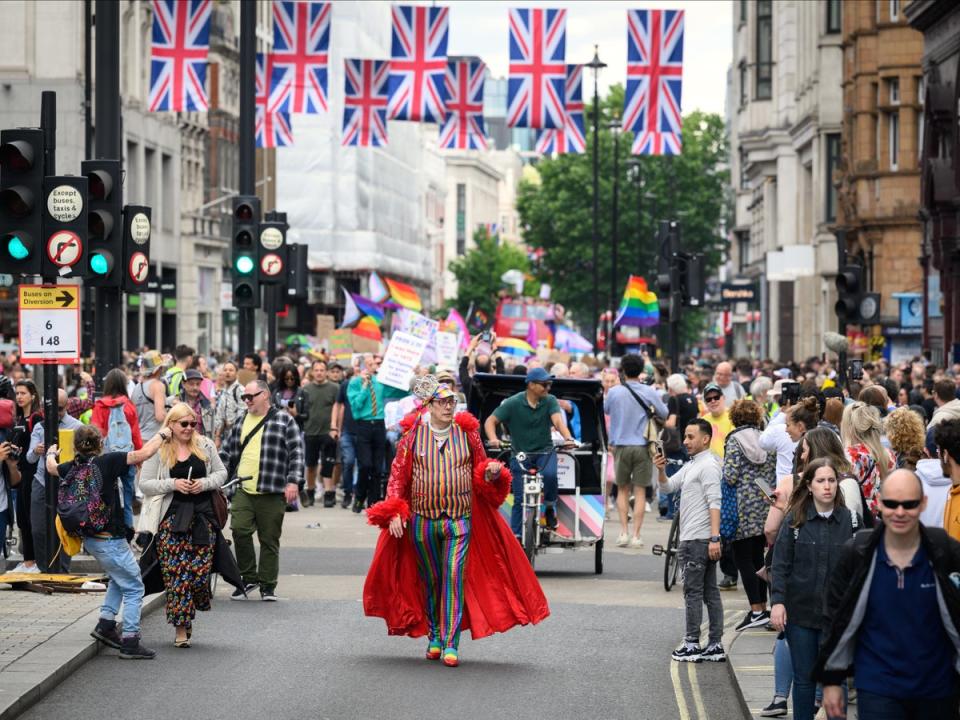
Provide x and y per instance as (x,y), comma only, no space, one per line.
(700,547)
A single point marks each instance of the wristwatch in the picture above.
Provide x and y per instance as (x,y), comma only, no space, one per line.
(714,538)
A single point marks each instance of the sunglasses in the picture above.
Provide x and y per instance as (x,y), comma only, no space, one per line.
(543,384)
(905,504)
(246,397)
(713,398)
(187,423)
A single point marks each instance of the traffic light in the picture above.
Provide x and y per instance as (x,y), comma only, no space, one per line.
(298,274)
(694,286)
(136,247)
(246,258)
(21,200)
(273,252)
(105,222)
(65,223)
(849,290)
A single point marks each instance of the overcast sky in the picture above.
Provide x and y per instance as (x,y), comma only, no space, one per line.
(480,28)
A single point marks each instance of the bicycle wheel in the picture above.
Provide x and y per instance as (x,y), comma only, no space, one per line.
(671,563)
(530,531)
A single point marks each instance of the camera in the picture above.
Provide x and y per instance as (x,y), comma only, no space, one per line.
(790,393)
(855,370)
(486,336)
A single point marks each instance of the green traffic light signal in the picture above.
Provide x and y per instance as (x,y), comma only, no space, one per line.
(99,264)
(244,264)
(18,248)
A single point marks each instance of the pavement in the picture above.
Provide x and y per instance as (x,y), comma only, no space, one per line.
(603,653)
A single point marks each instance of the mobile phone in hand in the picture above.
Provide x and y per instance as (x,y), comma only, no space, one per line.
(657,446)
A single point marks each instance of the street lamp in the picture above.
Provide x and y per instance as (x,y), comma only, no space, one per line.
(596,65)
(614,235)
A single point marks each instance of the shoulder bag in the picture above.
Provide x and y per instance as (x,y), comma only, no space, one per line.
(246,441)
(652,433)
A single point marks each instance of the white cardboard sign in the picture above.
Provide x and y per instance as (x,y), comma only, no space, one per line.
(402,356)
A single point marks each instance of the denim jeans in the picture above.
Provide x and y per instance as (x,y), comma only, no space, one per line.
(878,707)
(128,492)
(38,524)
(699,575)
(782,668)
(804,646)
(546,463)
(125,584)
(348,461)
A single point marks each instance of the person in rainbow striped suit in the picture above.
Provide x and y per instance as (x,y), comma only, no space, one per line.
(446,491)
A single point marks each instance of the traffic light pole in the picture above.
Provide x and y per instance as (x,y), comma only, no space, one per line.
(676,297)
(108,319)
(247,139)
(51,386)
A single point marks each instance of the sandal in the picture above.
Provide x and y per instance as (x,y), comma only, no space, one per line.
(182,643)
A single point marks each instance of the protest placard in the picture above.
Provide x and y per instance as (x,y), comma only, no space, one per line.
(402,356)
(326,324)
(447,345)
(340,344)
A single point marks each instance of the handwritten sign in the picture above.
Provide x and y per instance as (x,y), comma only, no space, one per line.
(447,346)
(402,356)
(326,324)
(341,343)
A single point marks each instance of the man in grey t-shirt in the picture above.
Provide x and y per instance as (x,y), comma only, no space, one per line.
(699,485)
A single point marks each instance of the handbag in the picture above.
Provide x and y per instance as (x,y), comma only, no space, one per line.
(219,503)
(652,432)
(729,520)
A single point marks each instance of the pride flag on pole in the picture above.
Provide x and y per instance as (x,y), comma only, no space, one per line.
(639,306)
(368,328)
(404,295)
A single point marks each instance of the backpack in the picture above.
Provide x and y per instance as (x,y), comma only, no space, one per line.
(119,435)
(80,505)
(173,379)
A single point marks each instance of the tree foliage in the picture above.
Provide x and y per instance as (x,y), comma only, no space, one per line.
(557,212)
(478,273)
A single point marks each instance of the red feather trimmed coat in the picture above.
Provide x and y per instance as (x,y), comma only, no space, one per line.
(500,589)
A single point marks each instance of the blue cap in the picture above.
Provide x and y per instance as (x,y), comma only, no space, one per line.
(538,375)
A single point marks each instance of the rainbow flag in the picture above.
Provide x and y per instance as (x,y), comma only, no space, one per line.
(368,328)
(368,307)
(404,295)
(455,319)
(515,346)
(378,291)
(639,306)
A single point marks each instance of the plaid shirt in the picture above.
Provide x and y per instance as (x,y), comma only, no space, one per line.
(281,452)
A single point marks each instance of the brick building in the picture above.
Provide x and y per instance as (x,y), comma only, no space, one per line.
(879,174)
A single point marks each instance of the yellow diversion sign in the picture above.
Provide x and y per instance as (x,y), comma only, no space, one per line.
(36,297)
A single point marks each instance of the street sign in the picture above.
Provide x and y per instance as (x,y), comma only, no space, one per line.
(64,248)
(65,203)
(140,228)
(271,264)
(50,324)
(271,238)
(139,267)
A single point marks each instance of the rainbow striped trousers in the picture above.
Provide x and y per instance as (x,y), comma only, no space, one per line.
(441,546)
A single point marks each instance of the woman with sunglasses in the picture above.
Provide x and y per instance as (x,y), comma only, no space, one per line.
(29,413)
(178,483)
(862,431)
(807,550)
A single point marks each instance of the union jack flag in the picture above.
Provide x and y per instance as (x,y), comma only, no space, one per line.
(178,55)
(654,80)
(273,128)
(418,68)
(463,128)
(365,102)
(537,69)
(572,137)
(301,42)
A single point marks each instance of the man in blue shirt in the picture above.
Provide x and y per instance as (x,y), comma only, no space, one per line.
(628,426)
(895,611)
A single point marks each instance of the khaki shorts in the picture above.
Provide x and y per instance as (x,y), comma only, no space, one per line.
(633,465)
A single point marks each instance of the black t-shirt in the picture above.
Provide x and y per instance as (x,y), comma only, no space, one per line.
(684,407)
(113,468)
(348,424)
(182,469)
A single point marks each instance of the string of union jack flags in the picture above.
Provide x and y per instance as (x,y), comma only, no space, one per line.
(420,82)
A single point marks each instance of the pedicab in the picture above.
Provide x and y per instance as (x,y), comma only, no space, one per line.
(580,471)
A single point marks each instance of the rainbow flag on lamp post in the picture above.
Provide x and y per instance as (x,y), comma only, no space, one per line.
(639,306)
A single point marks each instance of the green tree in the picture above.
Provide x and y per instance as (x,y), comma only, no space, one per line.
(478,273)
(557,212)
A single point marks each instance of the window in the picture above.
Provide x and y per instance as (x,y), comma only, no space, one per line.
(893,138)
(744,180)
(894,10)
(920,119)
(743,84)
(764,81)
(833,160)
(834,18)
(743,249)
(743,11)
(461,219)
(893,91)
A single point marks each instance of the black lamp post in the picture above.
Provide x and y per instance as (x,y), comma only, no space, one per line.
(614,237)
(596,65)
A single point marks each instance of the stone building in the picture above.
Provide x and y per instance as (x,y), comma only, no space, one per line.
(939,21)
(879,175)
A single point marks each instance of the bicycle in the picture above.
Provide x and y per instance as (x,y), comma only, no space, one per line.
(671,563)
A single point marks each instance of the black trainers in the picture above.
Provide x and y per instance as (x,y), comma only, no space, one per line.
(268,595)
(106,632)
(347,500)
(304,498)
(687,653)
(753,619)
(551,518)
(132,649)
(727,583)
(778,708)
(358,506)
(329,498)
(714,653)
(243,594)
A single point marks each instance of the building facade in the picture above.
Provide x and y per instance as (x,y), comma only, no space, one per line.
(939,21)
(879,174)
(784,121)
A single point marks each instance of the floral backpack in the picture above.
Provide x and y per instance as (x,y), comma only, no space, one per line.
(80,504)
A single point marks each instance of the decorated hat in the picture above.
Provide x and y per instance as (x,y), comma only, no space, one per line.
(428,388)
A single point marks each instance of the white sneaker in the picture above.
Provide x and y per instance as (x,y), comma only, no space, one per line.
(623,540)
(22,568)
(636,543)
(647,507)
